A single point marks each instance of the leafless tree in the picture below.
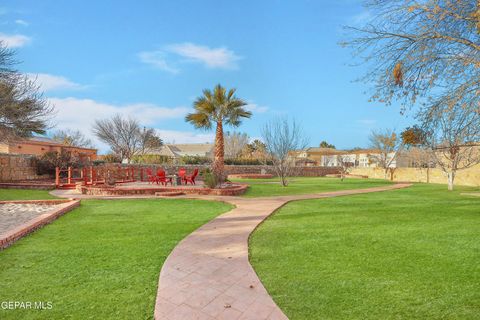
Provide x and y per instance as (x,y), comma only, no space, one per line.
(387,146)
(23,109)
(125,136)
(282,136)
(344,163)
(234,144)
(420,51)
(453,133)
(73,138)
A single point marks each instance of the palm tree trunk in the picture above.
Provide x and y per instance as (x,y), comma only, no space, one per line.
(218,166)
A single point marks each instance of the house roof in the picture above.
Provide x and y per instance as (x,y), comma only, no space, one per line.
(44,141)
(363,151)
(180,150)
(325,151)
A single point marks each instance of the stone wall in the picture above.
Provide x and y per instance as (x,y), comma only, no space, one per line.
(15,167)
(467,177)
(230,169)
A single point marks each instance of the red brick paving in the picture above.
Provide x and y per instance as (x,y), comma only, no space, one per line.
(208,274)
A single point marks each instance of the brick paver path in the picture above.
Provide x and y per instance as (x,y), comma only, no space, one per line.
(208,274)
(13,215)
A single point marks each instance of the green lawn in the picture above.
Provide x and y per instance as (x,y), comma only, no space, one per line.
(100,261)
(22,194)
(405,254)
(302,185)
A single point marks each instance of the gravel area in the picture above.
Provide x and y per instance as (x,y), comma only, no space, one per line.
(13,214)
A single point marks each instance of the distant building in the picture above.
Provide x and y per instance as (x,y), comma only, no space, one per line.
(177,151)
(328,157)
(38,146)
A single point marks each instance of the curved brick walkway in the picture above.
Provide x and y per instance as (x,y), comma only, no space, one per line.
(208,274)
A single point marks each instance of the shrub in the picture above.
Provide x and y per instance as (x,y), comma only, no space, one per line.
(152,159)
(47,163)
(195,160)
(209,178)
(111,158)
(247,162)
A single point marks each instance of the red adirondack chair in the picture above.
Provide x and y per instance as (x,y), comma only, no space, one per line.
(162,177)
(181,173)
(151,178)
(191,178)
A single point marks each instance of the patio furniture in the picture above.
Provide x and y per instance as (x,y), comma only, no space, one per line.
(162,178)
(191,178)
(151,178)
(181,173)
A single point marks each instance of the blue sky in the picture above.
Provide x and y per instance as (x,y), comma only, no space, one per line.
(150,59)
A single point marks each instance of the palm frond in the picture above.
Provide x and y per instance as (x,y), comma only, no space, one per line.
(199,120)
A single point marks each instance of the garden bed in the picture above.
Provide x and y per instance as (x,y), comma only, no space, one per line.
(102,190)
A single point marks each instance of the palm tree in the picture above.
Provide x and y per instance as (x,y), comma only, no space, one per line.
(218,107)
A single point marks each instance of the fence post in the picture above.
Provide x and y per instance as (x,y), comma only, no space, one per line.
(69,177)
(57,176)
(141,174)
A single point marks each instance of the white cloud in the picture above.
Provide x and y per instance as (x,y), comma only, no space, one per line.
(221,58)
(214,58)
(157,59)
(173,136)
(14,40)
(73,111)
(22,22)
(255,108)
(49,82)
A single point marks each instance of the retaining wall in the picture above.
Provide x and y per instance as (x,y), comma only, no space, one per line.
(17,167)
(467,177)
(229,169)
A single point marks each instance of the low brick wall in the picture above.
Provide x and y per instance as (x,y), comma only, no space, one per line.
(235,190)
(15,167)
(11,236)
(25,185)
(468,177)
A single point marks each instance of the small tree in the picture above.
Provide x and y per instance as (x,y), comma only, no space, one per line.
(344,164)
(218,107)
(234,143)
(453,133)
(73,138)
(387,146)
(126,137)
(282,136)
(325,144)
(53,159)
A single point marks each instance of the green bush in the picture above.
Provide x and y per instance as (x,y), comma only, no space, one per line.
(195,160)
(246,162)
(152,159)
(209,178)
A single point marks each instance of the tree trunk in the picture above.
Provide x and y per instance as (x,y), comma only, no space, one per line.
(218,165)
(451,178)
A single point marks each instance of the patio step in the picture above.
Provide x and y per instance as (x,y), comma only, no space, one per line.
(169,193)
